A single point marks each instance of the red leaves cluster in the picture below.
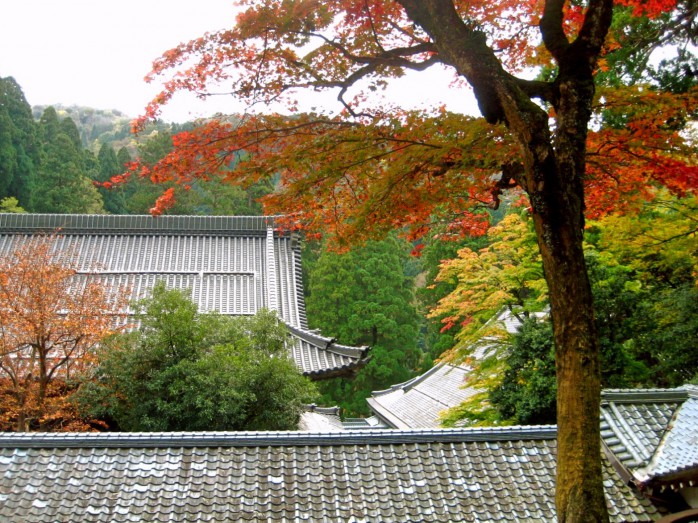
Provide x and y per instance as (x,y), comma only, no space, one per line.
(649,8)
(384,170)
(625,164)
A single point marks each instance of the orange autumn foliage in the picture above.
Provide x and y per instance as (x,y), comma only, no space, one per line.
(51,317)
(376,168)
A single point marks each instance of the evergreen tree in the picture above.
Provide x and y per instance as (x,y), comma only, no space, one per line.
(19,147)
(108,166)
(364,298)
(123,157)
(68,127)
(108,163)
(62,185)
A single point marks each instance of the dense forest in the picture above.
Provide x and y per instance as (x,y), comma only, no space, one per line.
(412,302)
(55,160)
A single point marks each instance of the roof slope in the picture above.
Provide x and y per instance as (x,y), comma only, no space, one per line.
(653,433)
(234,265)
(418,403)
(481,475)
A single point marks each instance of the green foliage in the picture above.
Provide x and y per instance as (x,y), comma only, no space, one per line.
(620,320)
(188,371)
(507,272)
(62,185)
(19,148)
(436,340)
(642,270)
(48,166)
(527,392)
(203,197)
(123,157)
(637,39)
(115,200)
(671,345)
(364,298)
(10,204)
(659,246)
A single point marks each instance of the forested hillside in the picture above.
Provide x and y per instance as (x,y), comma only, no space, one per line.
(56,160)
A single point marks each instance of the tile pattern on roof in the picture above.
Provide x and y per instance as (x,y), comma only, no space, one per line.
(653,432)
(366,476)
(372,422)
(234,265)
(418,402)
(678,450)
(316,360)
(320,419)
(633,431)
(93,223)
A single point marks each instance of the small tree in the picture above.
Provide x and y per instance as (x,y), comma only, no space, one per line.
(183,370)
(50,320)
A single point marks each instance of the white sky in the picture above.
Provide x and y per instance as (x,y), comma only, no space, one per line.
(95,53)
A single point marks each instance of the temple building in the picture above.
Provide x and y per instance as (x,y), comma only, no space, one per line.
(234,265)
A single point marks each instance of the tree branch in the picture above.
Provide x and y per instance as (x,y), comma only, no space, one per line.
(552,31)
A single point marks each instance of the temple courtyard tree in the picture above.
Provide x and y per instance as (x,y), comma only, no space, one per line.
(184,370)
(51,318)
(374,167)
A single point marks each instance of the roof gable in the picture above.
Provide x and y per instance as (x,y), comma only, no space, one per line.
(653,432)
(418,403)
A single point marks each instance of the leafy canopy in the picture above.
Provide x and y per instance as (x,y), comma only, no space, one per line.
(375,166)
(183,370)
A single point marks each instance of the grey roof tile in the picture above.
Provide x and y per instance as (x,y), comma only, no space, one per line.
(678,450)
(653,432)
(234,265)
(419,402)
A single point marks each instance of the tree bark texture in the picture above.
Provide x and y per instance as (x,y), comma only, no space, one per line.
(552,176)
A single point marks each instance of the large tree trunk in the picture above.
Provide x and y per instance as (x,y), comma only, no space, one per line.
(558,206)
(559,227)
(552,175)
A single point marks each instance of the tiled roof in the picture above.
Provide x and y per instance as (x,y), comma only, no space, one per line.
(481,475)
(653,432)
(235,265)
(134,224)
(372,422)
(418,403)
(320,419)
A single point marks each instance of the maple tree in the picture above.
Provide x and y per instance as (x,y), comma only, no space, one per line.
(373,167)
(505,273)
(51,318)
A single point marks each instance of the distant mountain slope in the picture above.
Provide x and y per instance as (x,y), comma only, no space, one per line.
(98,126)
